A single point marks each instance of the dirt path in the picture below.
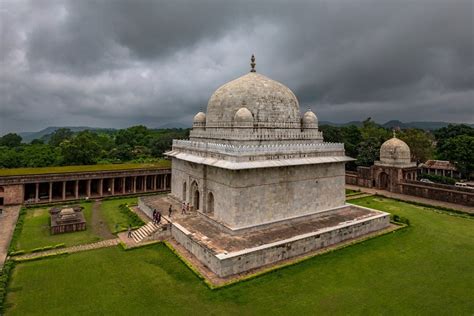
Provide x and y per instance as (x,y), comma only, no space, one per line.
(8,220)
(411,198)
(78,248)
(98,225)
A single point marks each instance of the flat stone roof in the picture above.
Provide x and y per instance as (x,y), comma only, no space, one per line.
(220,241)
(81,169)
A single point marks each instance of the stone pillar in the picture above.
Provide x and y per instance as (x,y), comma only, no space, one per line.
(76,189)
(112,186)
(124,181)
(50,191)
(144,183)
(64,190)
(89,188)
(154,183)
(134,184)
(37,192)
(101,184)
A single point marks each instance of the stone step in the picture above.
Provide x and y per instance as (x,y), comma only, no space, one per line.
(144,231)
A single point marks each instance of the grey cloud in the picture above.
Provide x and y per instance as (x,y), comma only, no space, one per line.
(118,63)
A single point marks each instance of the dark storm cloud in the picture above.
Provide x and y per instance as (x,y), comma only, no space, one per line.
(118,63)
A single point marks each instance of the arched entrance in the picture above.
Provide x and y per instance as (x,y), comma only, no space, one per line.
(195,195)
(210,203)
(384,181)
(184,192)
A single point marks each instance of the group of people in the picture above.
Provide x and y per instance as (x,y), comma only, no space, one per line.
(156,216)
(185,208)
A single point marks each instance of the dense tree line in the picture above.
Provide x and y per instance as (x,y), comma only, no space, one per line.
(139,143)
(454,143)
(63,147)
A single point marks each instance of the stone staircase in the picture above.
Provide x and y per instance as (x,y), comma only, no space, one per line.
(145,231)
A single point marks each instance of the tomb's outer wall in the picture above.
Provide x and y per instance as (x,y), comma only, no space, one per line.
(13,194)
(250,197)
(246,260)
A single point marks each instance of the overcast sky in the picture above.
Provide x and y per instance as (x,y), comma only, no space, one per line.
(115,63)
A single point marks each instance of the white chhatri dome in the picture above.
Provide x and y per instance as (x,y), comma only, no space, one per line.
(200,118)
(310,120)
(395,152)
(243,117)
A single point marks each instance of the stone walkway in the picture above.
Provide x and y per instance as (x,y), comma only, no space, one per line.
(8,220)
(98,225)
(411,198)
(78,248)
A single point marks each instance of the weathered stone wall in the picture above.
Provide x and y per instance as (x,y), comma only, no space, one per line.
(257,196)
(203,254)
(12,194)
(272,194)
(237,262)
(437,193)
(434,191)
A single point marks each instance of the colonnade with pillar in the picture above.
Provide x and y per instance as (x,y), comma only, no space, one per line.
(94,187)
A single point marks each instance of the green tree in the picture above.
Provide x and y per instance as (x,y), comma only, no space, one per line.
(460,150)
(10,140)
(9,157)
(443,135)
(82,149)
(133,136)
(370,129)
(331,133)
(421,143)
(368,151)
(40,155)
(60,135)
(37,141)
(352,137)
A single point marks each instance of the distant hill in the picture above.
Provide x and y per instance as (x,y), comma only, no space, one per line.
(395,123)
(44,133)
(173,125)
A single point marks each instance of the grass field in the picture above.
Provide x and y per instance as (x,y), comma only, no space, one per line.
(116,220)
(424,269)
(68,169)
(36,231)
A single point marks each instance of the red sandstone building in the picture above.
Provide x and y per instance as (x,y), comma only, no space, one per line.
(68,186)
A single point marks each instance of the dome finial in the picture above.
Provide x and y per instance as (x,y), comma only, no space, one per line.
(252,64)
(394,133)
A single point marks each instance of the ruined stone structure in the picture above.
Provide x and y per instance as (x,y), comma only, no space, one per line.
(67,186)
(395,172)
(253,162)
(67,219)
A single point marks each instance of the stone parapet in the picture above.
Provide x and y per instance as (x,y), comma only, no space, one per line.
(248,133)
(267,150)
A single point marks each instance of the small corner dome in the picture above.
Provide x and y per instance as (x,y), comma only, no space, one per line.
(310,118)
(395,149)
(200,118)
(243,115)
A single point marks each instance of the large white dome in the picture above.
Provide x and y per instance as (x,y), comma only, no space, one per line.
(269,101)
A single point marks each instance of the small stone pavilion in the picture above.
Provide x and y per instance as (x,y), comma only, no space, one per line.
(67,219)
(265,185)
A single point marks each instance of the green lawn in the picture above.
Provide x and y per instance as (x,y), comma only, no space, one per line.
(116,220)
(36,231)
(67,169)
(426,269)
